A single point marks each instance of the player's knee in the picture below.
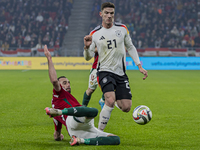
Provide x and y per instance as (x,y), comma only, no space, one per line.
(116,139)
(93,112)
(89,91)
(126,108)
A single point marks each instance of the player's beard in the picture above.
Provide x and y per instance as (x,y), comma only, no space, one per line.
(68,90)
(109,22)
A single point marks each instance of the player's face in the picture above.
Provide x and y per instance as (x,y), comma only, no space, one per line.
(107,15)
(65,83)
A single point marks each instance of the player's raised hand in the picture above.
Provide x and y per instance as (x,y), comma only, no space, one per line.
(46,52)
(87,41)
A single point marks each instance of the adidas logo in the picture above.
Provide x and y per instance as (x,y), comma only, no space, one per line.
(75,110)
(102,37)
(144,113)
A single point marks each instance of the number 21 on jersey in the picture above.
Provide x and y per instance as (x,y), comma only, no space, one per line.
(110,43)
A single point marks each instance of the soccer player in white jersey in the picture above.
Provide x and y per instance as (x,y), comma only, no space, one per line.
(111,38)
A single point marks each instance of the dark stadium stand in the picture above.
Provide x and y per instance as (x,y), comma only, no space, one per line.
(24,24)
(157,24)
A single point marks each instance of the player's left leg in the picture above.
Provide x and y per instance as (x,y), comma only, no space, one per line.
(124,104)
(87,96)
(73,111)
(92,85)
(123,94)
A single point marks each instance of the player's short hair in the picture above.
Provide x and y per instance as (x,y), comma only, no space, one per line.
(107,4)
(61,77)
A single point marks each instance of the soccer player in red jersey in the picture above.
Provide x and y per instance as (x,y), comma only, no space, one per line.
(67,110)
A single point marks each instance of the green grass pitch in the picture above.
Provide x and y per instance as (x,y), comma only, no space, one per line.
(173,97)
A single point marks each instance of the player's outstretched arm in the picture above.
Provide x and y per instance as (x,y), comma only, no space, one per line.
(58,136)
(143,71)
(52,71)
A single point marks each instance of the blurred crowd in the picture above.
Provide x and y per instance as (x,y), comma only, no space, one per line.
(33,23)
(152,24)
(156,23)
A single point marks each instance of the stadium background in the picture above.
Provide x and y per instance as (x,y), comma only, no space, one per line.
(162,28)
(166,34)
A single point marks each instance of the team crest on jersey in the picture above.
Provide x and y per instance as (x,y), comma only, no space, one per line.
(118,33)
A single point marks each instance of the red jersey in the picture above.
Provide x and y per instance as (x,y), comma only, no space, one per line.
(62,99)
(94,65)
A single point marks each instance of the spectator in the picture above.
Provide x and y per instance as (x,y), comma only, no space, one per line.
(56,47)
(5,46)
(46,39)
(39,45)
(27,38)
(13,44)
(158,42)
(39,17)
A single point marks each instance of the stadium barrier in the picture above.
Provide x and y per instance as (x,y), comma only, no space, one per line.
(25,52)
(165,63)
(197,52)
(163,52)
(79,63)
(142,52)
(40,63)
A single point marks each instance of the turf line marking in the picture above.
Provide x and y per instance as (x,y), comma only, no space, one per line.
(25,70)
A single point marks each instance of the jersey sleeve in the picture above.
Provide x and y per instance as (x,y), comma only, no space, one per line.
(131,48)
(89,53)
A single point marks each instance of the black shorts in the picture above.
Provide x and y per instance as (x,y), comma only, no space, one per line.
(111,82)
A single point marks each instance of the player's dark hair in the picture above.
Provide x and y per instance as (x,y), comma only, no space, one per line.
(107,4)
(61,77)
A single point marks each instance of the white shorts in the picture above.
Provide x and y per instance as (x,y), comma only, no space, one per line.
(83,128)
(93,79)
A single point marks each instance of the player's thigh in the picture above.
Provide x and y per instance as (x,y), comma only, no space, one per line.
(123,90)
(80,127)
(93,79)
(106,81)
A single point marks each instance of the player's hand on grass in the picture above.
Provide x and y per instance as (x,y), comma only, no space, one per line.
(46,52)
(87,41)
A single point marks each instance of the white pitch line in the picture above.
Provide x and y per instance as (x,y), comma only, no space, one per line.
(25,70)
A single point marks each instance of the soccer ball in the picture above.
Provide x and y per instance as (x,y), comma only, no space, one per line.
(142,114)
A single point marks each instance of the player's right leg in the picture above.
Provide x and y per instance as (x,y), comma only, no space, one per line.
(107,83)
(109,140)
(83,131)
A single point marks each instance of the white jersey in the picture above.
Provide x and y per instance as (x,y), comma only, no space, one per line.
(111,45)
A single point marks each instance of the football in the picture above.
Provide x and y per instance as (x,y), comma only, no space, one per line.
(142,114)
